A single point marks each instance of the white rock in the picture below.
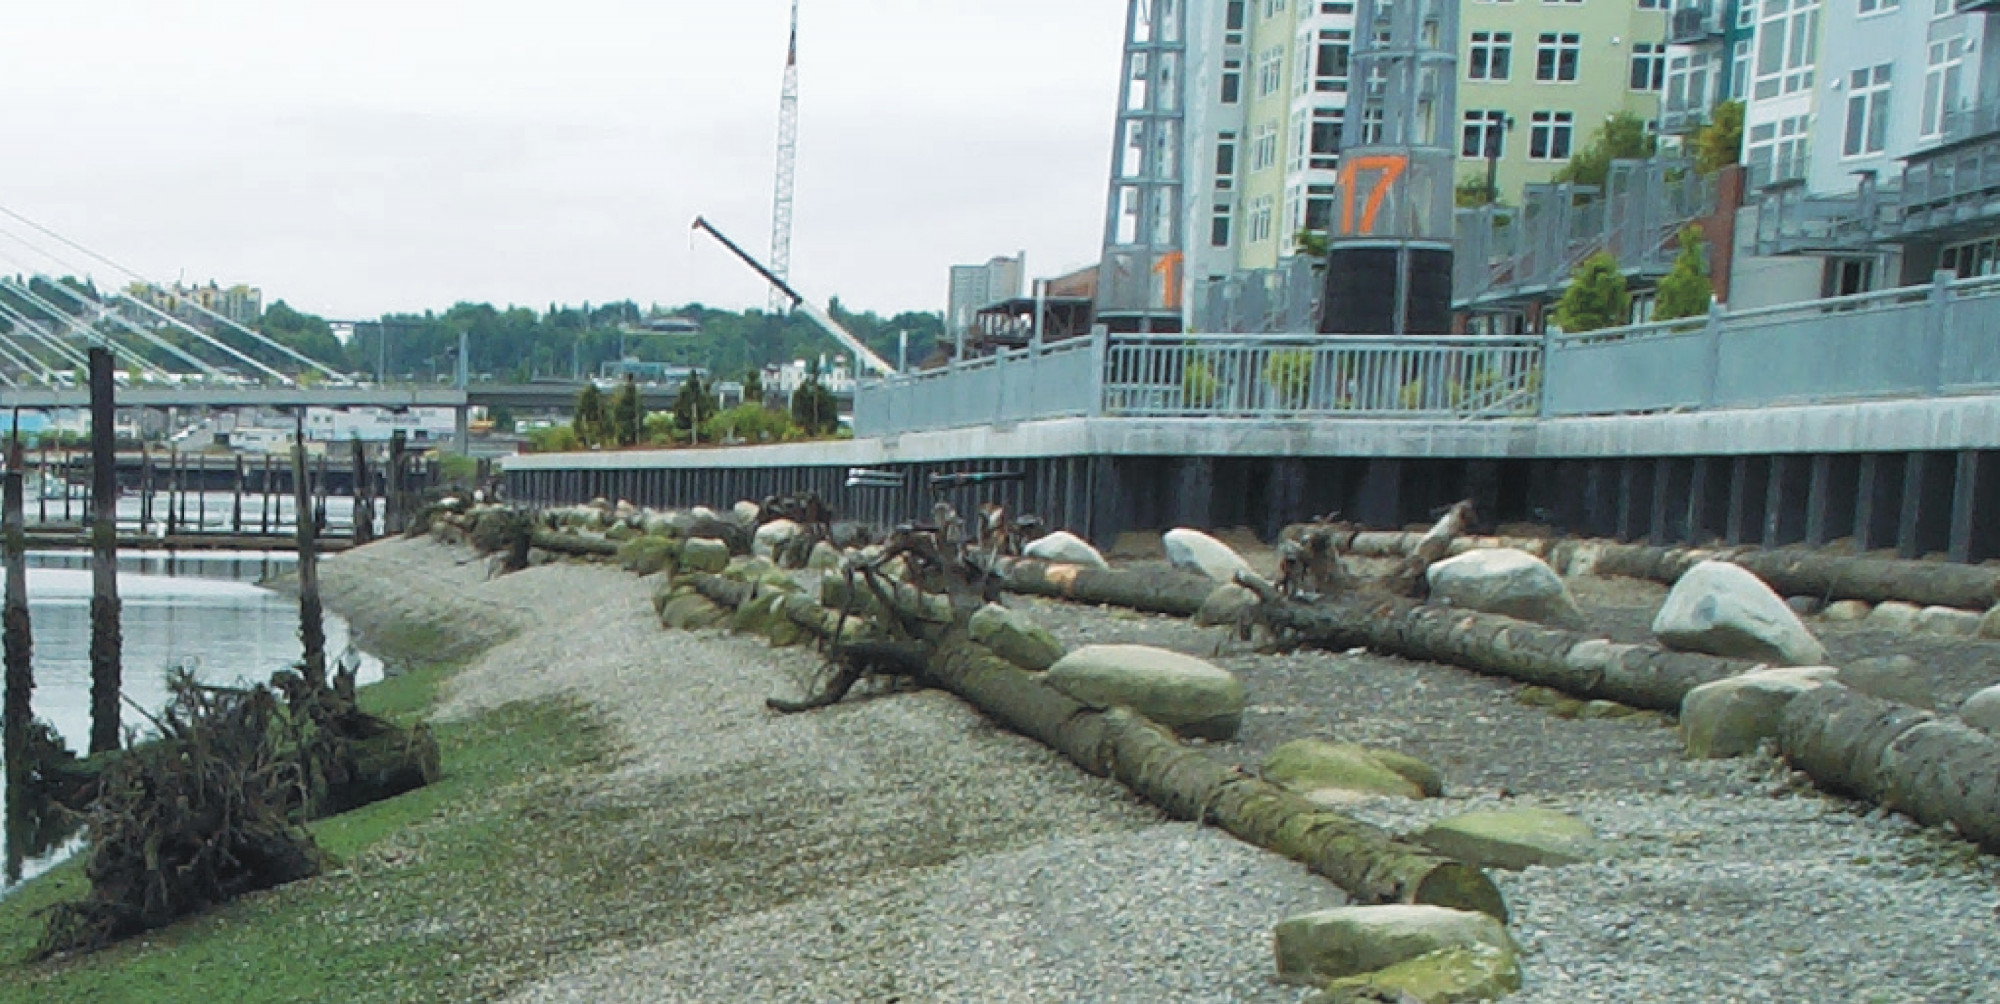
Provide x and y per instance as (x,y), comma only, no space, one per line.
(1982,711)
(1846,610)
(772,537)
(1730,717)
(1894,615)
(1948,621)
(1503,580)
(1065,548)
(702,512)
(747,510)
(1179,691)
(1194,551)
(1722,609)
(824,558)
(1328,944)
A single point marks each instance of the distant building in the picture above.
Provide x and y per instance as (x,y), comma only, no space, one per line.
(975,287)
(240,303)
(834,374)
(661,374)
(375,425)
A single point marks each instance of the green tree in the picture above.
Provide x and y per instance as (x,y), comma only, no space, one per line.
(589,420)
(1471,192)
(503,418)
(814,408)
(626,413)
(1596,297)
(694,404)
(1311,243)
(1719,143)
(753,386)
(1684,291)
(1623,136)
(305,334)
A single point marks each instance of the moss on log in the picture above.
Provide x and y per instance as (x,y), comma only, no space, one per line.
(574,545)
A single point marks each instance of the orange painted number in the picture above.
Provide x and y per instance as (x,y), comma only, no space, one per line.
(1392,167)
(1169,269)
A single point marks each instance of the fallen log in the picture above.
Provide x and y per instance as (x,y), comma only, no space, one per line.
(1839,736)
(1369,863)
(574,545)
(1178,593)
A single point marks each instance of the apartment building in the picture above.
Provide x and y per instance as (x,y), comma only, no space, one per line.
(1866,129)
(1708,61)
(974,287)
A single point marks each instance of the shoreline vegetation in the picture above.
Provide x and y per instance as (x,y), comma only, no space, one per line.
(362,931)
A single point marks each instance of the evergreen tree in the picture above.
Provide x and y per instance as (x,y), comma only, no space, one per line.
(1685,291)
(1623,136)
(753,387)
(589,420)
(814,408)
(1719,143)
(1596,297)
(694,404)
(625,413)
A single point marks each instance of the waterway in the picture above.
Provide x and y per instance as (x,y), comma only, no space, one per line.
(204,611)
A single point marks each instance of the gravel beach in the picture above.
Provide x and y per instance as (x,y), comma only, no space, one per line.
(899,848)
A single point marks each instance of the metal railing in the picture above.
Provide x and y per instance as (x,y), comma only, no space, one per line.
(1916,341)
(1266,377)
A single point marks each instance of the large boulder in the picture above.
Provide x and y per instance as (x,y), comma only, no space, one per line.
(1225,605)
(1722,609)
(1502,580)
(1447,976)
(692,612)
(775,539)
(1982,711)
(1894,615)
(1948,621)
(824,557)
(1730,717)
(1333,772)
(746,511)
(1014,638)
(1197,552)
(1345,941)
(1065,548)
(1514,838)
(704,554)
(1179,691)
(646,554)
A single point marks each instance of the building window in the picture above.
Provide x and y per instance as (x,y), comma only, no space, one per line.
(1867,111)
(1787,46)
(1260,219)
(1319,208)
(1225,161)
(1649,66)
(1876,6)
(1556,56)
(1653,4)
(1330,62)
(1739,69)
(1326,126)
(1943,74)
(1273,8)
(1549,135)
(1270,71)
(1972,258)
(1232,22)
(1371,126)
(1491,56)
(1485,134)
(1336,7)
(1687,84)
(1777,151)
(1218,226)
(1264,148)
(1578,2)
(1232,81)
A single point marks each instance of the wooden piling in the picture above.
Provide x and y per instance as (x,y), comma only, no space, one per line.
(319,497)
(364,495)
(312,623)
(17,636)
(201,492)
(236,507)
(264,488)
(145,490)
(42,486)
(106,642)
(397,506)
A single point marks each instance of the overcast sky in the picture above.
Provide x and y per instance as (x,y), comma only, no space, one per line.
(364,156)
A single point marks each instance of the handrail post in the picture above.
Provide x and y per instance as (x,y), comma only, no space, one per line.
(1712,353)
(1542,388)
(1937,321)
(1100,357)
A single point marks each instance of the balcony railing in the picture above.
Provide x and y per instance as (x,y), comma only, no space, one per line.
(1693,24)
(1968,121)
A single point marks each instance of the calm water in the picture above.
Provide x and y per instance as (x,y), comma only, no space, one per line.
(199,610)
(211,512)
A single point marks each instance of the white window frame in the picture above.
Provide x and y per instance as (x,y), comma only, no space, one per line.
(1316,160)
(1223,217)
(1232,81)
(1225,142)
(1264,148)
(1270,71)
(1273,8)
(1484,124)
(1867,124)
(1649,58)
(1868,8)
(1558,44)
(1490,50)
(1944,81)
(1739,68)
(1785,141)
(1545,128)
(1261,209)
(1786,49)
(1323,40)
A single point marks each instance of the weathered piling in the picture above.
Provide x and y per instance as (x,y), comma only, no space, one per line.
(319,496)
(173,482)
(264,489)
(364,495)
(397,507)
(312,621)
(42,489)
(106,642)
(201,492)
(17,637)
(236,507)
(145,490)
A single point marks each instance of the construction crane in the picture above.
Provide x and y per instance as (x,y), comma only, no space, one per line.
(792,299)
(788,155)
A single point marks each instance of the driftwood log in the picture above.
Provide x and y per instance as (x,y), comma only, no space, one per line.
(1934,771)
(574,545)
(1369,863)
(1828,576)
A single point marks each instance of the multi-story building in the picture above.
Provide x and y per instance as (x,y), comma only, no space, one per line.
(977,286)
(1708,61)
(198,305)
(1863,141)
(1538,77)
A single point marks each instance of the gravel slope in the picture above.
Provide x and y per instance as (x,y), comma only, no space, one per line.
(892,848)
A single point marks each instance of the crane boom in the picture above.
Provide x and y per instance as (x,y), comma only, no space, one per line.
(862,353)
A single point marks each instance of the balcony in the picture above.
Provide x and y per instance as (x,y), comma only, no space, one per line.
(1681,118)
(1781,172)
(1693,24)
(1969,121)
(1974,6)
